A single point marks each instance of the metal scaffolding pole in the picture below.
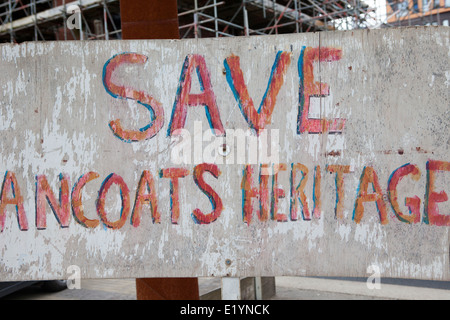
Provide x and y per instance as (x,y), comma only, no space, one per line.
(25,20)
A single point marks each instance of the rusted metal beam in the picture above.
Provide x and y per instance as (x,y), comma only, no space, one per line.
(143,19)
(167,289)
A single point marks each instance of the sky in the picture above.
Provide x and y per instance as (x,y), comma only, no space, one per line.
(379,15)
(380,5)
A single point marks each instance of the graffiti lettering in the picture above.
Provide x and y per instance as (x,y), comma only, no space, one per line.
(256,119)
(260,195)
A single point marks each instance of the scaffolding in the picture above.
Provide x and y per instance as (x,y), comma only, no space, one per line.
(402,13)
(213,18)
(27,20)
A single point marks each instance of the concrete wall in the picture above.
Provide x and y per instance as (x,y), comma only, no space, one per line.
(114,161)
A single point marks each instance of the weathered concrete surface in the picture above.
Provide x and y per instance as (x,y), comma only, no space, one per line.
(59,101)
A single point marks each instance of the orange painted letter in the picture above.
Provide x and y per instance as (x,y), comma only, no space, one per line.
(412,203)
(257,119)
(174,174)
(77,204)
(369,176)
(123,92)
(146,183)
(10,185)
(124,194)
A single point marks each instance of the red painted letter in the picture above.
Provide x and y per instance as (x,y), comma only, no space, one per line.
(125,195)
(185,99)
(277,193)
(309,88)
(298,193)
(146,183)
(412,203)
(10,184)
(432,215)
(198,215)
(257,119)
(120,91)
(173,174)
(250,191)
(44,193)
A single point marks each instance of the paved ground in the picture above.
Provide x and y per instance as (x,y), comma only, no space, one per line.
(287,288)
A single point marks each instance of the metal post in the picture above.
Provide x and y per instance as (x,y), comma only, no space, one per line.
(143,19)
(231,288)
(246,31)
(216,27)
(81,23)
(11,37)
(34,12)
(105,19)
(258,288)
(195,25)
(65,20)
